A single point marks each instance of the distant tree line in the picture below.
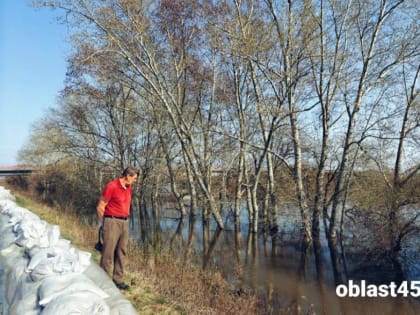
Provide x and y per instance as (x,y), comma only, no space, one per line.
(240,102)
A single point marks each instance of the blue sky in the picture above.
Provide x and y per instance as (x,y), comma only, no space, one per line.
(33,52)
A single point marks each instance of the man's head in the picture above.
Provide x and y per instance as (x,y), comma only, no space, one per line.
(130,174)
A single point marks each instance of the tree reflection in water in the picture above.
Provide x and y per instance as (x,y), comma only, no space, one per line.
(290,277)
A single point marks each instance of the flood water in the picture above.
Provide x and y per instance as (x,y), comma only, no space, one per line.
(290,278)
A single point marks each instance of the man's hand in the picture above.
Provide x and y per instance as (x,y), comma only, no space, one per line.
(100,208)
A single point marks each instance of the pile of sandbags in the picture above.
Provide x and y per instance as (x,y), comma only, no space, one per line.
(42,273)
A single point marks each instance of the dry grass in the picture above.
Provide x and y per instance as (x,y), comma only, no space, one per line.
(159,284)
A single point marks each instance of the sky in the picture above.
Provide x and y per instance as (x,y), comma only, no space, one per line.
(33,52)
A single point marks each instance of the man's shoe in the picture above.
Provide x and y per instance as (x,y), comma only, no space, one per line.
(122,285)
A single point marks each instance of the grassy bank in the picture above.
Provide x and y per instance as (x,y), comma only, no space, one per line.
(159,284)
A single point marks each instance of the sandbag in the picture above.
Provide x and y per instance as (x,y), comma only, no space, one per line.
(26,297)
(77,303)
(53,287)
(15,273)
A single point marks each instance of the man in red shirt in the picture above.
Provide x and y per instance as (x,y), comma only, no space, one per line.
(114,208)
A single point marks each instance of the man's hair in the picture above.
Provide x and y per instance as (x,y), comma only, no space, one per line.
(131,171)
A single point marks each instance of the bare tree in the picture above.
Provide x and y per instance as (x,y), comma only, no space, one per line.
(292,28)
(370,19)
(399,228)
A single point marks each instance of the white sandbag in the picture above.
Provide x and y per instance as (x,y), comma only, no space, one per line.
(77,303)
(38,255)
(57,260)
(42,271)
(62,245)
(117,302)
(15,273)
(53,287)
(25,299)
(51,266)
(17,214)
(31,232)
(6,204)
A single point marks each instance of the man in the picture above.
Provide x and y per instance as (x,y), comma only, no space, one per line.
(114,208)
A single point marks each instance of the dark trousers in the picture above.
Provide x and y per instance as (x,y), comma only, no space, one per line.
(114,250)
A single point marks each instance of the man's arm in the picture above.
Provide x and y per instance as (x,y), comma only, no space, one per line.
(100,208)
